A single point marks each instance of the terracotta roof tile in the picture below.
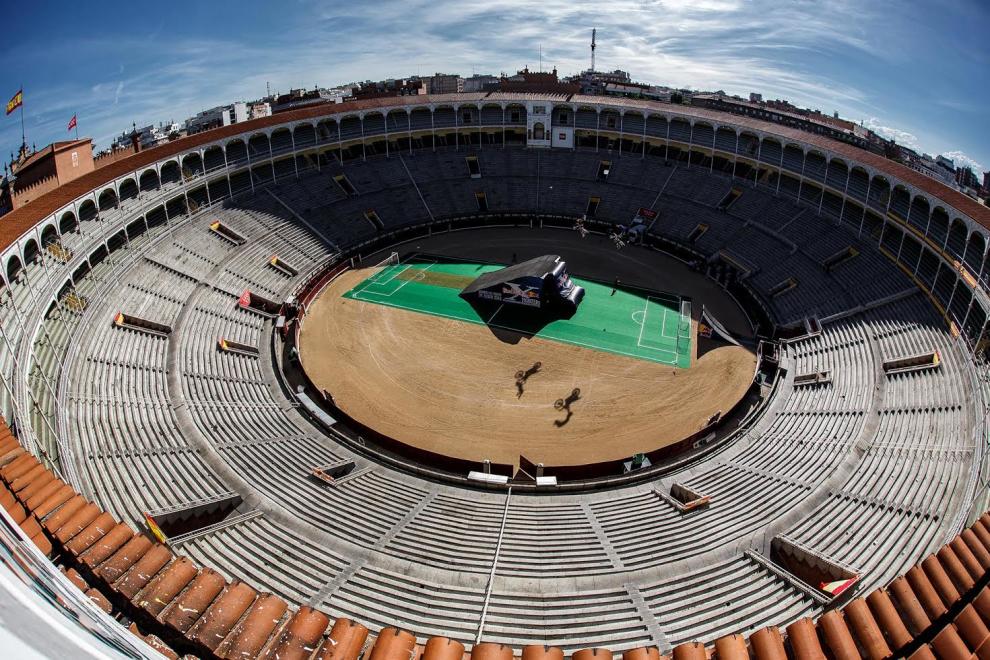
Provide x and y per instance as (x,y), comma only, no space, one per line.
(731,647)
(345,641)
(42,508)
(90,534)
(971,628)
(803,639)
(888,620)
(33,496)
(768,644)
(64,512)
(125,557)
(301,637)
(690,651)
(223,614)
(165,586)
(230,619)
(493,651)
(77,523)
(251,634)
(103,548)
(640,653)
(949,645)
(194,600)
(143,570)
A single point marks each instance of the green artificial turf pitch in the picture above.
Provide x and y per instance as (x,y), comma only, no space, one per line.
(637,323)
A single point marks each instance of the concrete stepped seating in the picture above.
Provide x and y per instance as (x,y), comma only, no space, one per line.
(133,453)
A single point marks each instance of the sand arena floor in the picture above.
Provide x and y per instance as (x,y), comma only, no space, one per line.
(450,387)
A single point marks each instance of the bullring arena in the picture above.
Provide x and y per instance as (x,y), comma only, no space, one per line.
(433,382)
(218,443)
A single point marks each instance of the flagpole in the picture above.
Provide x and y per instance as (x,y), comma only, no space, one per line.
(76,117)
(23,135)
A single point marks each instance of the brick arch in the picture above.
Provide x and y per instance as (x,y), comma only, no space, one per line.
(14,267)
(68,223)
(149,180)
(107,199)
(31,251)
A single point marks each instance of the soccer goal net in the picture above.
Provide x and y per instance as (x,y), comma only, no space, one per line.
(390,260)
(684,328)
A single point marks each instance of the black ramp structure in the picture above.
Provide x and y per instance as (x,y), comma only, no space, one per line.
(539,283)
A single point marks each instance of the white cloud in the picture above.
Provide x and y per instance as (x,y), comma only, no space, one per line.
(960,159)
(735,45)
(902,137)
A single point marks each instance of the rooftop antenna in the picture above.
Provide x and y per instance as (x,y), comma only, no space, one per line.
(541,58)
(594,31)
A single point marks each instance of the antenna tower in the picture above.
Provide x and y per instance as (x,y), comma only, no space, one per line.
(593,34)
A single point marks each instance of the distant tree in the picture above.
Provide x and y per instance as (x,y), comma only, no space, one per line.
(677,97)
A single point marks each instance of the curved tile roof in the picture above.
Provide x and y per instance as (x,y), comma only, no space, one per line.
(941,607)
(17,222)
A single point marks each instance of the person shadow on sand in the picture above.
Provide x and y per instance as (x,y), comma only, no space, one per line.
(523,376)
(565,404)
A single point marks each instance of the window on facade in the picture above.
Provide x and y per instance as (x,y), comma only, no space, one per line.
(344,185)
(474,168)
(372,216)
(592,209)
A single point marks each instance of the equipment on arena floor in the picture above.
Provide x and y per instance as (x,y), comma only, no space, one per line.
(633,233)
(542,282)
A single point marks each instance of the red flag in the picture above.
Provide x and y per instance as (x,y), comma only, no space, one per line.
(15,102)
(72,123)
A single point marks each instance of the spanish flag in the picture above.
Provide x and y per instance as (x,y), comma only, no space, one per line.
(837,587)
(16,102)
(154,528)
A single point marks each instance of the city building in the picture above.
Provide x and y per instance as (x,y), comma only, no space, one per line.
(6,203)
(966,178)
(926,165)
(391,87)
(480,83)
(786,114)
(596,82)
(302,98)
(259,109)
(35,173)
(538,82)
(639,90)
(207,119)
(238,112)
(149,136)
(445,83)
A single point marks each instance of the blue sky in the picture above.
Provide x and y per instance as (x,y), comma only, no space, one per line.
(914,71)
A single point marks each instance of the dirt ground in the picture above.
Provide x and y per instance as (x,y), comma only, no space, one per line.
(450,387)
